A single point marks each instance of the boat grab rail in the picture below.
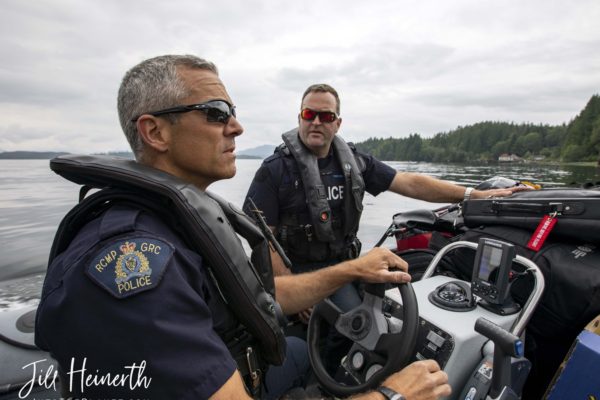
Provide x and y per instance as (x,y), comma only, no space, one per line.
(534,298)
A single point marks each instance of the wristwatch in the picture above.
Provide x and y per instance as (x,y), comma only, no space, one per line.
(467,195)
(389,394)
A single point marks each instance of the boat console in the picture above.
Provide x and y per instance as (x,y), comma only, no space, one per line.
(472,329)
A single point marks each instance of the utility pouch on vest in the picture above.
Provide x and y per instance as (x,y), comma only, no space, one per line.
(354,249)
(209,224)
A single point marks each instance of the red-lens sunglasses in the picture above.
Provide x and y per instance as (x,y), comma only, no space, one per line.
(324,116)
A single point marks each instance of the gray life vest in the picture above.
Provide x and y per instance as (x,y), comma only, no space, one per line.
(315,191)
(208,224)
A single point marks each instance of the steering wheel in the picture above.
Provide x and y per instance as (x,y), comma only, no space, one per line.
(380,347)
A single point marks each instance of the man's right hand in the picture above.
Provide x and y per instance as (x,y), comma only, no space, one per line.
(374,267)
(421,380)
(298,292)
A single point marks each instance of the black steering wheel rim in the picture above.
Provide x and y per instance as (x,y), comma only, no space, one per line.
(398,346)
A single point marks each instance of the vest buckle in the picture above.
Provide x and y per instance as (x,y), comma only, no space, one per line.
(354,248)
(253,369)
(308,231)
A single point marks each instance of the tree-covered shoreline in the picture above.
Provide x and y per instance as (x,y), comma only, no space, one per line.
(578,141)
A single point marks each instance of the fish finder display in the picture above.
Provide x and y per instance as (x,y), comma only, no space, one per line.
(490,273)
(490,261)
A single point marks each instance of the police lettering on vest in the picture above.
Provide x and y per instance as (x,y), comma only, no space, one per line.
(335,193)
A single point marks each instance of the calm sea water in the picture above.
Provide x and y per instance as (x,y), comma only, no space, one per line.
(33,200)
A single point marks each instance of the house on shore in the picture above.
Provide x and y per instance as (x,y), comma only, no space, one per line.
(506,157)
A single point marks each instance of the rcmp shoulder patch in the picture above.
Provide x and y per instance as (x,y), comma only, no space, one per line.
(130,266)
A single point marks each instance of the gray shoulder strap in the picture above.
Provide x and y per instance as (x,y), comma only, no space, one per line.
(316,194)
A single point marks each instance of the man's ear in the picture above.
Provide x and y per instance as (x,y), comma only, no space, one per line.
(154,132)
(339,123)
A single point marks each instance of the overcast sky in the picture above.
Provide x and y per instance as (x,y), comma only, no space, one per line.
(400,67)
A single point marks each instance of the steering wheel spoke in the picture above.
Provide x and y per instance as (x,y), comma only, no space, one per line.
(328,311)
(365,323)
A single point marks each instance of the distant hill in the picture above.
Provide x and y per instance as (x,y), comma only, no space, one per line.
(124,154)
(245,157)
(29,155)
(257,152)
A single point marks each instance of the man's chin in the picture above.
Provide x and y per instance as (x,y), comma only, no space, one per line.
(316,142)
(317,147)
(230,173)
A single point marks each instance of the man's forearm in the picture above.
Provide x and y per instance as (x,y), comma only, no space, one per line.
(426,188)
(301,291)
(298,292)
(278,265)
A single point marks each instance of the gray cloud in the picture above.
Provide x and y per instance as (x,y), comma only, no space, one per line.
(400,67)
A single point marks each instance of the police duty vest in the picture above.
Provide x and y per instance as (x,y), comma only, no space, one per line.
(206,222)
(322,221)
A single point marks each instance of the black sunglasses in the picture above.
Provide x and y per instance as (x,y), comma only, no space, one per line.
(324,116)
(215,110)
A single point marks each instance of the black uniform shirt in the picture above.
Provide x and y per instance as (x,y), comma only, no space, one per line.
(128,297)
(277,190)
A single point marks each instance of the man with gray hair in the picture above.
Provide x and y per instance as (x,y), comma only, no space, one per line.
(166,318)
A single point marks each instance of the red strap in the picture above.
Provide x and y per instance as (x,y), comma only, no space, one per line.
(541,233)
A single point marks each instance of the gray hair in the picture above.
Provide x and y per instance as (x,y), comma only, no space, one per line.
(154,85)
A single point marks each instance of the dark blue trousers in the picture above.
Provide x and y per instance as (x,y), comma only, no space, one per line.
(292,373)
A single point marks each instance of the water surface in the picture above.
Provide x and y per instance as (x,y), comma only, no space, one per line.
(33,201)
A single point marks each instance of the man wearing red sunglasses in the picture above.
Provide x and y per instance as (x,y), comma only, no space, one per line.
(310,191)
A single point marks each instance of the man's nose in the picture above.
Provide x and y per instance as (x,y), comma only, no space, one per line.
(234,127)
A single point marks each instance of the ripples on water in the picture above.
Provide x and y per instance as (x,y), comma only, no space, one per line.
(33,200)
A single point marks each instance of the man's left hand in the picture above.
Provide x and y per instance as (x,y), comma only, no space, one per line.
(488,194)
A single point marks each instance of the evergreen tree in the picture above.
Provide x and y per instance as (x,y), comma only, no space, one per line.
(582,140)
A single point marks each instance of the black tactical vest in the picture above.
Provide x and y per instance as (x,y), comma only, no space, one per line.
(315,232)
